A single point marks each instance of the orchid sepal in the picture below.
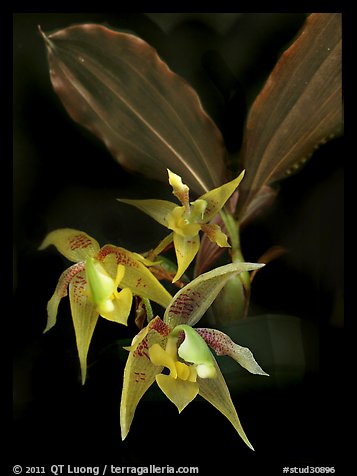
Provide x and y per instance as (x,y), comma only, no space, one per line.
(191,302)
(75,245)
(156,209)
(217,198)
(216,392)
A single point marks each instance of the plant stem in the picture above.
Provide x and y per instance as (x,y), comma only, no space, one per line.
(232,227)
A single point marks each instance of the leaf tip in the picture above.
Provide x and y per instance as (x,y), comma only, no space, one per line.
(42,32)
(42,246)
(45,37)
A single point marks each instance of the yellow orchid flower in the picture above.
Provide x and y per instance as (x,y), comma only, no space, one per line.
(187,220)
(173,343)
(93,283)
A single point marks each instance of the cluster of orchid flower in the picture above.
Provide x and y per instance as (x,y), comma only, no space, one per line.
(168,350)
(117,86)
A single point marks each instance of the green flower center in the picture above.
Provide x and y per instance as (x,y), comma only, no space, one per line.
(187,223)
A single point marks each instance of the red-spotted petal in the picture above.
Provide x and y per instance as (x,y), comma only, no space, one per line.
(215,234)
(75,245)
(192,301)
(186,248)
(84,317)
(60,292)
(137,277)
(223,345)
(140,372)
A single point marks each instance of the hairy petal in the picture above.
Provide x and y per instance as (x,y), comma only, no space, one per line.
(85,318)
(192,301)
(75,245)
(216,392)
(60,292)
(223,345)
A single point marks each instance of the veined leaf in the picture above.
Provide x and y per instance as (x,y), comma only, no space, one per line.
(299,108)
(116,85)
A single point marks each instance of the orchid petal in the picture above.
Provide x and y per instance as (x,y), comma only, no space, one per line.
(60,292)
(163,245)
(216,235)
(75,245)
(195,350)
(217,197)
(192,301)
(138,338)
(139,375)
(160,357)
(209,252)
(186,249)
(140,372)
(137,277)
(216,392)
(121,307)
(84,316)
(145,261)
(100,285)
(180,190)
(197,210)
(156,209)
(180,392)
(223,345)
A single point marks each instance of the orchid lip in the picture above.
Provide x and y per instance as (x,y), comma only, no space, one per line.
(195,351)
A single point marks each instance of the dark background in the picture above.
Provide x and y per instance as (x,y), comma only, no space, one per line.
(296,315)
